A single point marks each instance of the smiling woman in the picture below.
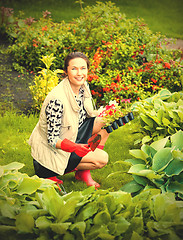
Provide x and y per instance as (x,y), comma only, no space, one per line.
(59,142)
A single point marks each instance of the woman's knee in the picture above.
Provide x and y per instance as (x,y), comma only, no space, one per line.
(102,160)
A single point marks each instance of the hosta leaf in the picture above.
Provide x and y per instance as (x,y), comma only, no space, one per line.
(180,114)
(161,159)
(102,217)
(24,222)
(137,153)
(87,211)
(146,139)
(52,202)
(121,225)
(132,187)
(28,186)
(179,178)
(137,168)
(136,236)
(13,166)
(135,161)
(43,223)
(175,167)
(165,121)
(147,120)
(141,180)
(60,228)
(80,226)
(7,210)
(1,171)
(159,144)
(177,140)
(149,150)
(175,187)
(150,174)
(156,119)
(164,94)
(137,225)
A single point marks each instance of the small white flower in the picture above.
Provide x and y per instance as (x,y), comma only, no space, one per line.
(113,102)
(101,109)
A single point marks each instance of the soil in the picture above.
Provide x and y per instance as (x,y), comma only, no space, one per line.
(14,87)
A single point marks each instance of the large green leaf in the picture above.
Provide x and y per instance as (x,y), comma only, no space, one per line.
(179,178)
(164,94)
(87,211)
(60,228)
(147,120)
(175,187)
(28,186)
(134,161)
(13,166)
(132,187)
(161,159)
(178,154)
(43,223)
(149,150)
(165,121)
(121,225)
(146,139)
(135,169)
(177,140)
(137,153)
(102,217)
(1,171)
(141,180)
(24,222)
(175,167)
(159,144)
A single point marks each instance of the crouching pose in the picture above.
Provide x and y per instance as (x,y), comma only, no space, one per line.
(67,120)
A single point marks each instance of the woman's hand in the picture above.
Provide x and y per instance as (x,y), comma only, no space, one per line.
(80,149)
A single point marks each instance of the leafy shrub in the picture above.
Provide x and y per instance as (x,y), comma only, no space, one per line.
(128,60)
(159,165)
(160,115)
(31,208)
(44,82)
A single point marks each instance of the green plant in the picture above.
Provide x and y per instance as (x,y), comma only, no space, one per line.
(31,208)
(44,82)
(160,115)
(159,165)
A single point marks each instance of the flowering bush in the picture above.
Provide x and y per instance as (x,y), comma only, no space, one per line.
(127,59)
(44,82)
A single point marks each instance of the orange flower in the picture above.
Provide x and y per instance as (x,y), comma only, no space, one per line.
(153,80)
(44,28)
(167,65)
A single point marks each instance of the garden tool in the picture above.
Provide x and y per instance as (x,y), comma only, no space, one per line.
(94,141)
(59,184)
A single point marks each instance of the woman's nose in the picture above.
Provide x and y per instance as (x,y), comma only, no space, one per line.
(79,72)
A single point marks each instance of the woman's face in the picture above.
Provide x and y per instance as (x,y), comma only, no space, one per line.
(77,72)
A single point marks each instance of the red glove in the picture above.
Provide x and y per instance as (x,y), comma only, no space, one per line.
(80,149)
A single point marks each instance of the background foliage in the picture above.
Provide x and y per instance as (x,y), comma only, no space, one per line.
(128,60)
(163,16)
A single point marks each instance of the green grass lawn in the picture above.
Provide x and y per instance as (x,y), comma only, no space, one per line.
(15,131)
(163,16)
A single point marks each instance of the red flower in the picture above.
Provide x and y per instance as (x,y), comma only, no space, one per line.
(153,80)
(167,65)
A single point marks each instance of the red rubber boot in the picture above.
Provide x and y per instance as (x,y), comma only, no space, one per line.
(85,176)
